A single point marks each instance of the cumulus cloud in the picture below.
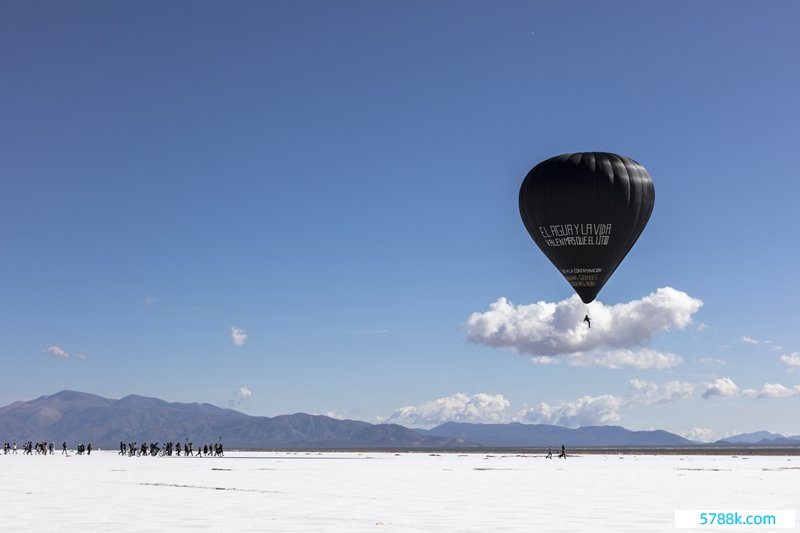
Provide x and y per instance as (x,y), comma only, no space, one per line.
(701,434)
(496,409)
(648,392)
(460,407)
(776,390)
(606,408)
(57,352)
(240,398)
(585,411)
(724,387)
(792,360)
(744,339)
(641,359)
(238,336)
(550,329)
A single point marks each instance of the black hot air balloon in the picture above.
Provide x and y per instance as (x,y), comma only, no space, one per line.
(585,212)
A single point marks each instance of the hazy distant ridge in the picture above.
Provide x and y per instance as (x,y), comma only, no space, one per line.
(761,438)
(80,417)
(539,435)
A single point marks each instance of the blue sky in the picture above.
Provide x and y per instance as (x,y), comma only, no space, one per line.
(298,206)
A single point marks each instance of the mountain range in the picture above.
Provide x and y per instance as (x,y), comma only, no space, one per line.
(523,435)
(79,417)
(761,438)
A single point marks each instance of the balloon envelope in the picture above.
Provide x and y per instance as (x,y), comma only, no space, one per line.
(585,211)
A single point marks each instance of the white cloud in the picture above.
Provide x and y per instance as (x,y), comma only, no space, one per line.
(724,387)
(701,434)
(776,390)
(56,351)
(792,360)
(744,339)
(238,336)
(585,411)
(641,359)
(460,407)
(549,329)
(495,409)
(240,398)
(648,392)
(149,301)
(244,393)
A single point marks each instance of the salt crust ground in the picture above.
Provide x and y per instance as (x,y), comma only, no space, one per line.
(408,492)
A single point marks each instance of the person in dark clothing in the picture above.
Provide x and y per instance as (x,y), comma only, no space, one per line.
(588,321)
(563,453)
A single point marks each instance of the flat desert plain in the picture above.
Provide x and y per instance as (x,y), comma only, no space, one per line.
(383,491)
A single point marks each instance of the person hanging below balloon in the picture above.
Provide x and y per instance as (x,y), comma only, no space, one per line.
(585,211)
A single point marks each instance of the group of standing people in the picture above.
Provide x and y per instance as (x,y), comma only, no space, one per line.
(169,449)
(29,448)
(42,448)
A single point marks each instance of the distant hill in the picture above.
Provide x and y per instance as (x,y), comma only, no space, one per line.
(751,438)
(80,417)
(542,435)
(761,438)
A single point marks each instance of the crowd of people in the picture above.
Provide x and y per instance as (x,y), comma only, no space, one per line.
(130,449)
(170,449)
(43,448)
